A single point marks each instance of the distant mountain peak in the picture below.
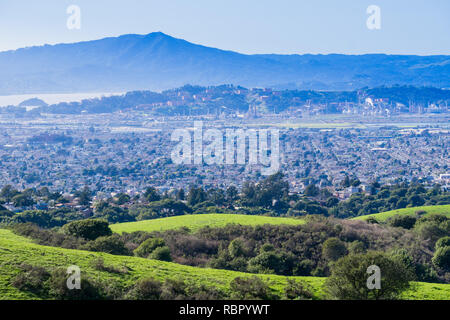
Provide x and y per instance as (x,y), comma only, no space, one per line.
(158,61)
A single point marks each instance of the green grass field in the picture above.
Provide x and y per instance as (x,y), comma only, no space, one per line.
(15,250)
(197,221)
(383,216)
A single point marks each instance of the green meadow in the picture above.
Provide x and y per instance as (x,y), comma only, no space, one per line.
(197,221)
(383,216)
(15,250)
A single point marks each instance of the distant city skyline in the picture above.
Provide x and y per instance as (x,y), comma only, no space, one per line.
(251,27)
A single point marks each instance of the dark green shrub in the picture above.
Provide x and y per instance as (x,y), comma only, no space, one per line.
(148,246)
(304,268)
(174,289)
(402,221)
(443,242)
(48,237)
(161,253)
(441,258)
(89,229)
(110,244)
(202,292)
(251,289)
(266,262)
(348,280)
(372,220)
(333,249)
(236,248)
(356,247)
(146,289)
(99,264)
(58,288)
(53,285)
(267,247)
(297,290)
(431,229)
(32,279)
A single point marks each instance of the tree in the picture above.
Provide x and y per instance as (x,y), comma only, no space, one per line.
(346,182)
(110,244)
(349,277)
(402,221)
(375,185)
(59,290)
(180,194)
(89,229)
(433,227)
(265,262)
(236,248)
(84,196)
(151,194)
(312,190)
(196,196)
(148,246)
(145,289)
(443,242)
(416,200)
(297,290)
(169,208)
(265,193)
(122,199)
(356,182)
(332,202)
(441,258)
(333,249)
(8,192)
(231,194)
(22,200)
(162,254)
(217,196)
(251,289)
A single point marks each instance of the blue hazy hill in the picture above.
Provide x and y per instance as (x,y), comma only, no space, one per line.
(157,61)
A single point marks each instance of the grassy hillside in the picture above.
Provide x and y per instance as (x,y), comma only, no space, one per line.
(15,250)
(383,216)
(195,222)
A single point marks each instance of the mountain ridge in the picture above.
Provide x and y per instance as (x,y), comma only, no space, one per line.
(157,61)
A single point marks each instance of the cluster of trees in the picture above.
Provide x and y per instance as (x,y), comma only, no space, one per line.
(385,198)
(29,197)
(269,196)
(19,199)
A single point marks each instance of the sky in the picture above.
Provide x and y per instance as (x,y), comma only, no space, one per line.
(248,26)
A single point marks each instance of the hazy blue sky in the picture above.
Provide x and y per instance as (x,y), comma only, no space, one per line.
(248,26)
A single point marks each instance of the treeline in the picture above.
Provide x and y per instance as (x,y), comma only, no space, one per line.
(386,198)
(270,196)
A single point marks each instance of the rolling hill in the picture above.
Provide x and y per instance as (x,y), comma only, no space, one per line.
(15,250)
(383,216)
(157,61)
(195,222)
